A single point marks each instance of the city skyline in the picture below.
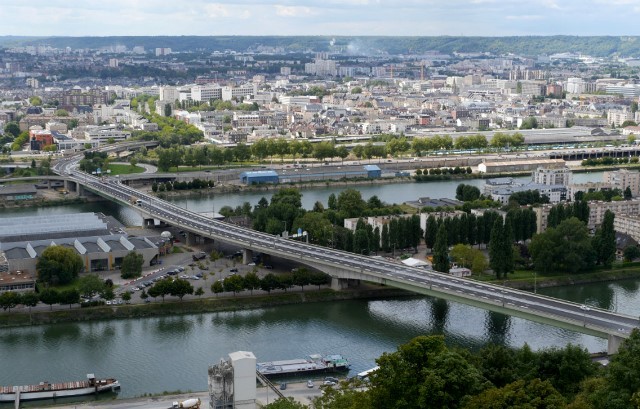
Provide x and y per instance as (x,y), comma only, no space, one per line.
(315,17)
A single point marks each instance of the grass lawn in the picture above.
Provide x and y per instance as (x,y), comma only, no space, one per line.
(121,169)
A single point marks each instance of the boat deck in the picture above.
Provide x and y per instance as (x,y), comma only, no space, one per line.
(46,387)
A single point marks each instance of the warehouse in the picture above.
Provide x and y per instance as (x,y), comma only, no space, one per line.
(518,165)
(257,177)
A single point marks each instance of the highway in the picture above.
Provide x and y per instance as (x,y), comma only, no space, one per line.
(341,264)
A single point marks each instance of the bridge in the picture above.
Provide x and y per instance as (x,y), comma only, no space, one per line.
(344,266)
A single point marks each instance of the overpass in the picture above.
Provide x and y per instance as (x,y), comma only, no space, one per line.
(344,266)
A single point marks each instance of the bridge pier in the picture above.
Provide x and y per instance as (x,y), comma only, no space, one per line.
(190,239)
(148,222)
(338,284)
(247,256)
(613,344)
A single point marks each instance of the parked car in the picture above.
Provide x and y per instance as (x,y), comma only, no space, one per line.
(233,270)
(330,381)
(310,384)
(283,386)
(268,266)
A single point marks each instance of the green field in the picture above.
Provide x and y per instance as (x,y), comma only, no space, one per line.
(121,169)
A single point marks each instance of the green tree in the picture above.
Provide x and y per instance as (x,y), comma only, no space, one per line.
(12,128)
(350,203)
(631,253)
(9,299)
(606,241)
(126,297)
(131,265)
(423,374)
(69,297)
(29,299)
(180,287)
(440,251)
(301,277)
(58,265)
(49,296)
(251,281)
(285,403)
(269,283)
(234,283)
(521,394)
(90,285)
(217,287)
(500,249)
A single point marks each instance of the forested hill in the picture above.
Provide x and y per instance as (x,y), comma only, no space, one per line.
(599,46)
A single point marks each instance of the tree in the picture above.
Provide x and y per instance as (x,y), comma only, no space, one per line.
(285,403)
(29,299)
(430,232)
(301,277)
(217,287)
(90,285)
(58,265)
(180,287)
(500,249)
(9,299)
(131,265)
(126,297)
(423,373)
(631,253)
(234,283)
(161,288)
(49,296)
(606,241)
(521,394)
(564,248)
(440,251)
(143,295)
(12,128)
(268,283)
(251,281)
(199,292)
(69,297)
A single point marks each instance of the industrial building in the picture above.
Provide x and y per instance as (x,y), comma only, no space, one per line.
(519,165)
(98,240)
(257,177)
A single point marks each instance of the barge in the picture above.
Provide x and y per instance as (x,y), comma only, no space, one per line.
(303,366)
(46,390)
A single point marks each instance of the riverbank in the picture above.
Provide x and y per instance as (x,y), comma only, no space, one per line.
(212,304)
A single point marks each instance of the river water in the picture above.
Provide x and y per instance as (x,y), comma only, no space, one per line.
(152,355)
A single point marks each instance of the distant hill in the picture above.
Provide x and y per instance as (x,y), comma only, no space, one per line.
(598,46)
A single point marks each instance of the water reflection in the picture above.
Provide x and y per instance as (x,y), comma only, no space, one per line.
(498,327)
(439,313)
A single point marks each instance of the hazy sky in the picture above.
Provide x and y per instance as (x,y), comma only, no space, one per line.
(319,17)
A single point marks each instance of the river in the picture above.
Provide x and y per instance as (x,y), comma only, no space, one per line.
(152,355)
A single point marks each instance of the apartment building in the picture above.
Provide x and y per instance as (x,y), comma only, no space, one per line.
(552,176)
(623,178)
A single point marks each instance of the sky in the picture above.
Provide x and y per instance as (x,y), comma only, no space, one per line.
(319,17)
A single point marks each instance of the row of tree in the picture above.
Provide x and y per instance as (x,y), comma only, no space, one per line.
(300,277)
(177,185)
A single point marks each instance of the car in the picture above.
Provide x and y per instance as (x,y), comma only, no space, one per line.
(330,381)
(134,289)
(310,384)
(585,308)
(180,269)
(183,276)
(268,266)
(251,264)
(283,386)
(194,278)
(199,275)
(108,302)
(233,270)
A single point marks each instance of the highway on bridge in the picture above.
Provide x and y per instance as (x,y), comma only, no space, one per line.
(345,265)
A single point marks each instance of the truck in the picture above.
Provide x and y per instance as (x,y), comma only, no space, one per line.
(199,256)
(134,200)
(188,403)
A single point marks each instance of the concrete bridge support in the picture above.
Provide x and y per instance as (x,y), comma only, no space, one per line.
(613,344)
(191,238)
(338,284)
(148,222)
(247,256)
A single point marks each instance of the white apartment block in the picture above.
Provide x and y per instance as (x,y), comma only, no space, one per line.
(102,134)
(623,178)
(618,117)
(627,224)
(552,176)
(206,92)
(229,93)
(168,93)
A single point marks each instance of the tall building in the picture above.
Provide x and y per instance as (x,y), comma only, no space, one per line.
(552,176)
(623,178)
